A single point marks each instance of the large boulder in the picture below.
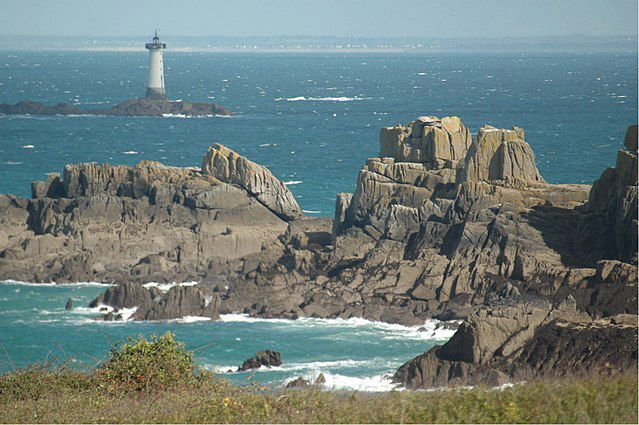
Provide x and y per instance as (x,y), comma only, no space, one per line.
(230,167)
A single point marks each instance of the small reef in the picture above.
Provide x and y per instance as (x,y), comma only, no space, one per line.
(140,107)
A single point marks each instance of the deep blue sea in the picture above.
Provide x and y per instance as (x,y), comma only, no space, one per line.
(312,118)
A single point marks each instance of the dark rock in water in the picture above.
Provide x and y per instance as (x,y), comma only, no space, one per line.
(153,304)
(266,358)
(131,107)
(298,383)
(69,304)
(321,379)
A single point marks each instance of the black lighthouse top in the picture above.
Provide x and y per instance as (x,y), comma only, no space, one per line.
(156,43)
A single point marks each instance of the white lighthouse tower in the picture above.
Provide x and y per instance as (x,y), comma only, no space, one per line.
(155,87)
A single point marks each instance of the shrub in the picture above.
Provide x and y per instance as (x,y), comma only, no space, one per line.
(147,365)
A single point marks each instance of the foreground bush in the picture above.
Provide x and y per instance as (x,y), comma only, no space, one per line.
(147,365)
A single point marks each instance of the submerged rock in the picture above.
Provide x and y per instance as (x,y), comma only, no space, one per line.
(69,304)
(298,383)
(267,358)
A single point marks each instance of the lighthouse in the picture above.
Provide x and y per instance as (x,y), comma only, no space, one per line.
(155,87)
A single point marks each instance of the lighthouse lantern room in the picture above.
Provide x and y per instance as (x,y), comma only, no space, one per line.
(155,87)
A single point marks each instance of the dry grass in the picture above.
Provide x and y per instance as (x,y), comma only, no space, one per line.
(40,396)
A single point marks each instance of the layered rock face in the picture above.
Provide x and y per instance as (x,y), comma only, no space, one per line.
(144,223)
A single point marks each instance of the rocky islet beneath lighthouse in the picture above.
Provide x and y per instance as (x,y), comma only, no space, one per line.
(154,104)
(443,225)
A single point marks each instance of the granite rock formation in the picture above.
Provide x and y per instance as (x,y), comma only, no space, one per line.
(443,225)
(132,107)
(144,223)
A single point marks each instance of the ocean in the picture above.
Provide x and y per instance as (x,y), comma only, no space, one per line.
(313,119)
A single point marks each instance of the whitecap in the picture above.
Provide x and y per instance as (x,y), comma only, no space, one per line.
(164,287)
(131,153)
(311,212)
(293,182)
(323,99)
(376,383)
(28,147)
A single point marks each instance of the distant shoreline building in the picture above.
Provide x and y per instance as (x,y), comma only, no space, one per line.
(155,86)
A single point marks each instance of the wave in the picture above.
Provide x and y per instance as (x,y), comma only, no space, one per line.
(429,330)
(376,383)
(311,212)
(314,367)
(164,287)
(322,99)
(263,145)
(293,182)
(28,147)
(131,153)
(13,163)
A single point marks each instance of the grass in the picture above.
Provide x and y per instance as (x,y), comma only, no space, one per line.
(40,395)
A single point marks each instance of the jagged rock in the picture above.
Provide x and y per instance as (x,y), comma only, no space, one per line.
(630,141)
(153,304)
(230,167)
(497,154)
(495,347)
(428,140)
(69,304)
(265,358)
(320,380)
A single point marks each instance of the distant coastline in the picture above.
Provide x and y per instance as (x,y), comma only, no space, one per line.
(318,44)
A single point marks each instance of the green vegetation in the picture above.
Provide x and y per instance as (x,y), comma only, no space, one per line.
(155,381)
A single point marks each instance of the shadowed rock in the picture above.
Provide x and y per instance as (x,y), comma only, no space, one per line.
(265,358)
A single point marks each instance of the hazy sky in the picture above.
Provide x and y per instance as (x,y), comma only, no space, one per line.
(361,18)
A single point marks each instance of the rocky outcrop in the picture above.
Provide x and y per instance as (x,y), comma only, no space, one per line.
(132,107)
(611,231)
(522,342)
(152,304)
(447,225)
(266,358)
(145,223)
(230,167)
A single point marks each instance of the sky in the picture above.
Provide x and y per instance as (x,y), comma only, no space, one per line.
(357,18)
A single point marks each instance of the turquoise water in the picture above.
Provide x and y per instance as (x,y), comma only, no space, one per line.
(313,119)
(352,354)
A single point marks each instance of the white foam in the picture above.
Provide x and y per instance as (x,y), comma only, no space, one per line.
(263,145)
(28,147)
(311,212)
(104,309)
(164,287)
(293,182)
(427,331)
(322,99)
(131,153)
(61,285)
(376,383)
(13,163)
